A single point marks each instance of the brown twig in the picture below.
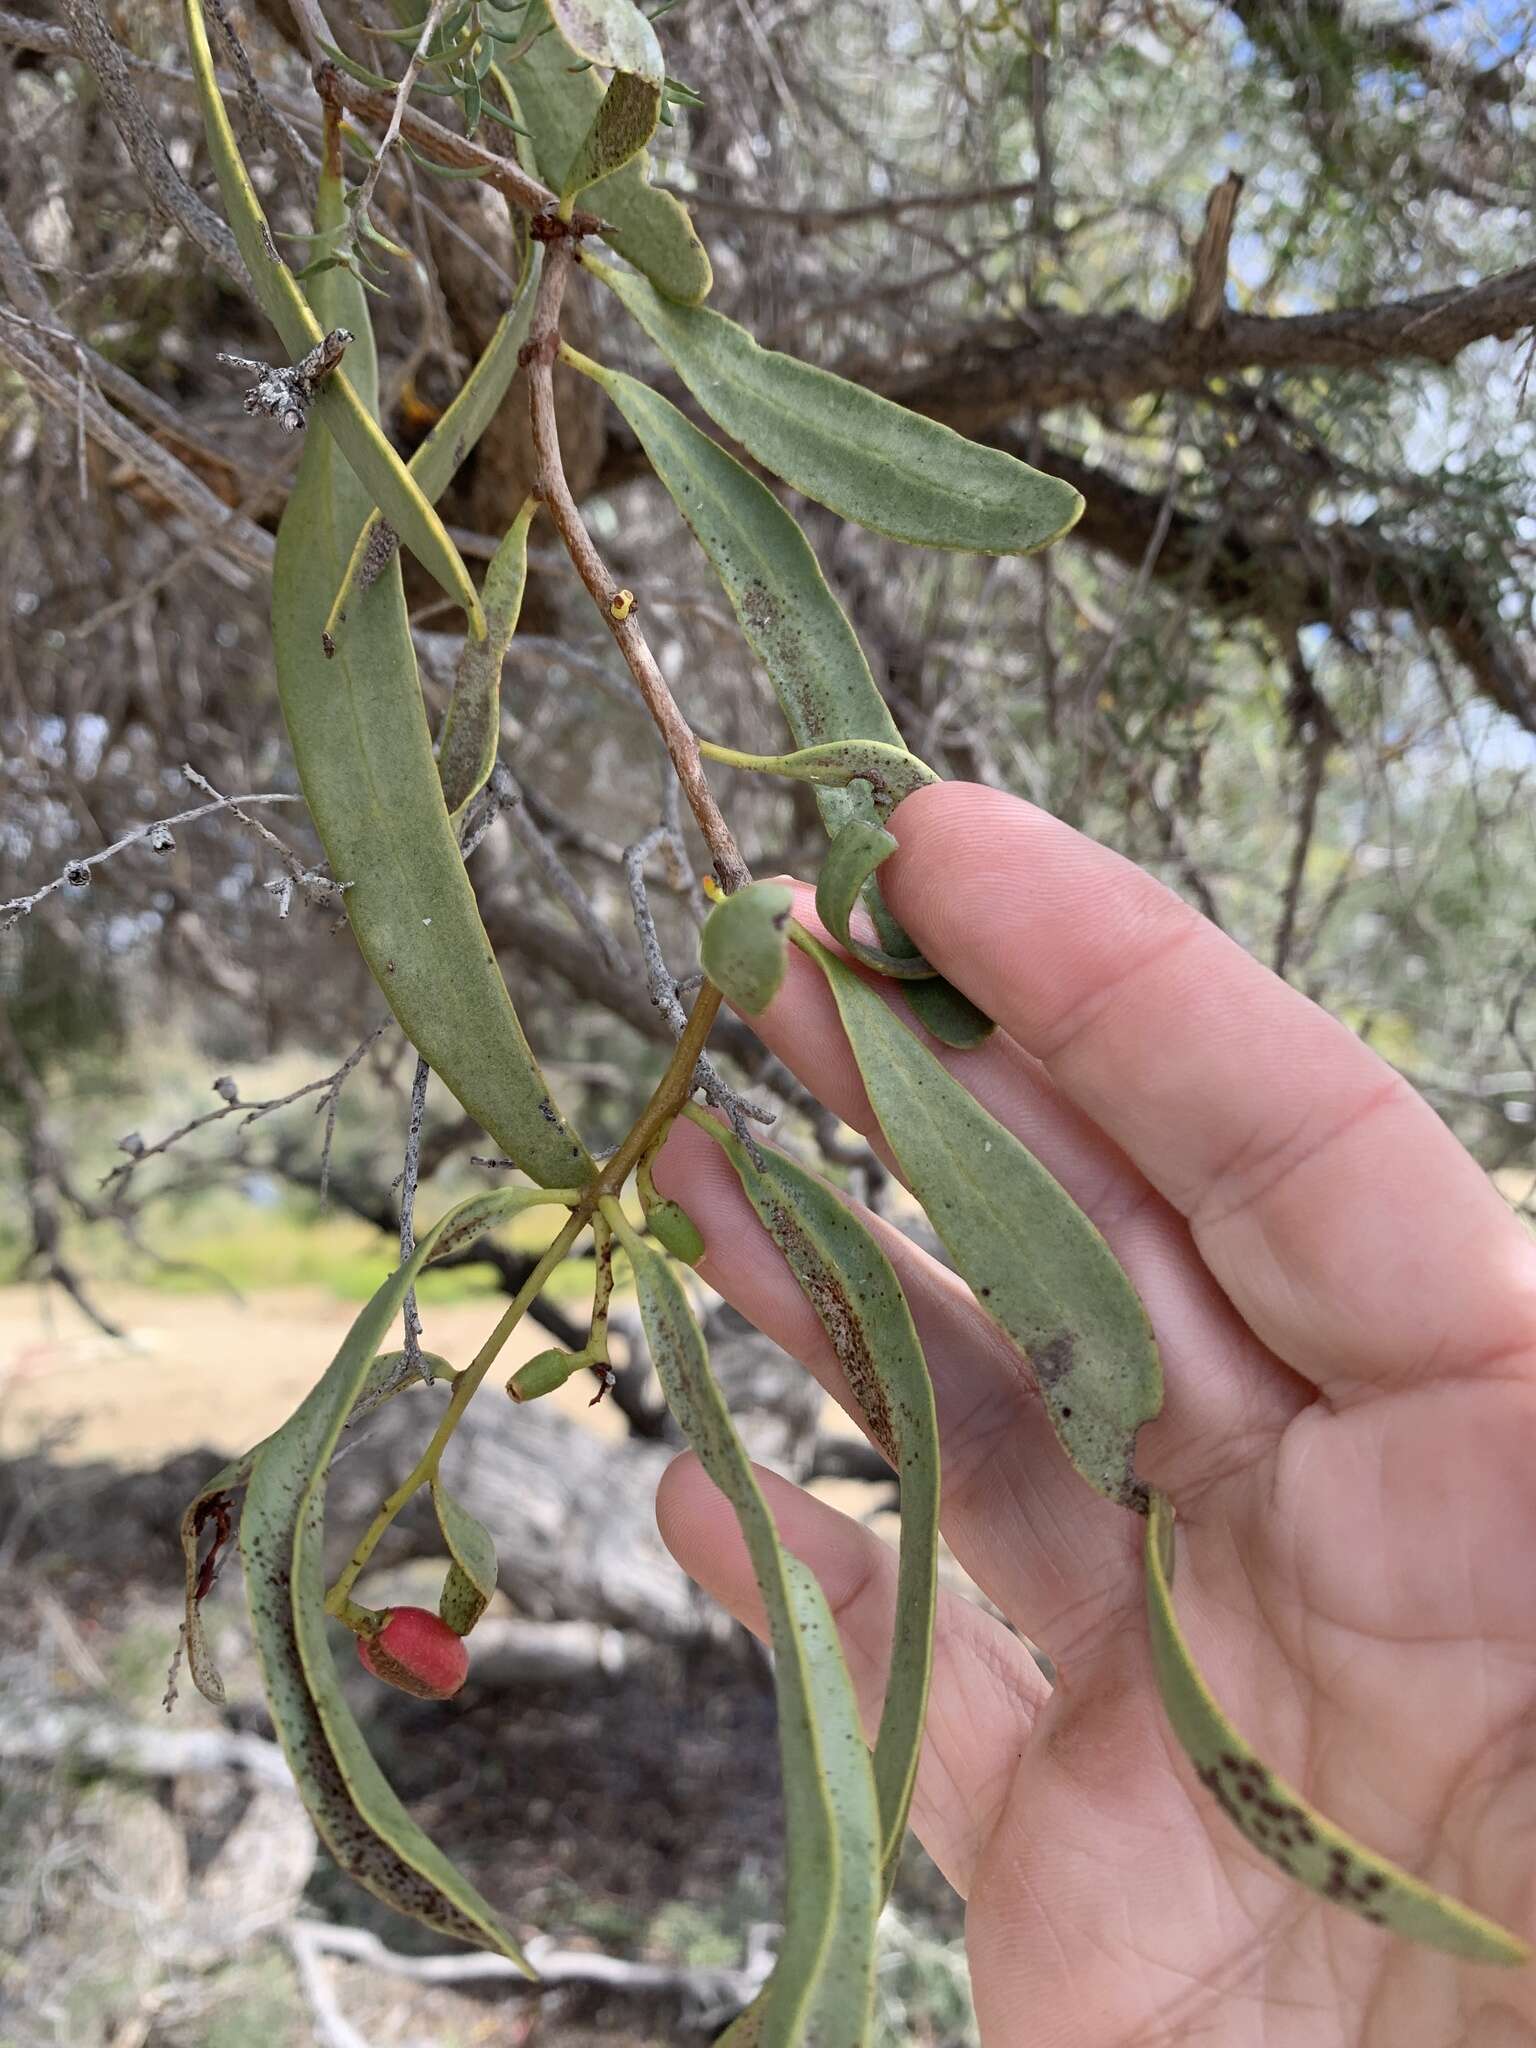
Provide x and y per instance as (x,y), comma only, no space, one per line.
(539,354)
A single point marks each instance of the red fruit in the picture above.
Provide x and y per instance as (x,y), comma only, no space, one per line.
(417,1651)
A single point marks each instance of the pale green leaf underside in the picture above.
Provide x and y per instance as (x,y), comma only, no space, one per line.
(613,33)
(853,1288)
(361,1820)
(1028,1253)
(337,404)
(893,471)
(648,228)
(832,1878)
(1277,1820)
(855,853)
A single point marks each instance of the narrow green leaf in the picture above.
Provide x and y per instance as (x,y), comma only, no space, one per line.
(437,461)
(742,945)
(613,33)
(891,772)
(358,1815)
(466,752)
(853,1288)
(648,228)
(623,124)
(873,462)
(336,404)
(790,619)
(364,756)
(1028,1253)
(1275,1818)
(852,858)
(430,164)
(822,1986)
(472,1574)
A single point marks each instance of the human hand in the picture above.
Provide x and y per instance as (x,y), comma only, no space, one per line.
(1347,1316)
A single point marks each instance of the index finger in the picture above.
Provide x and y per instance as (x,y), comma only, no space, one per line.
(1343,1220)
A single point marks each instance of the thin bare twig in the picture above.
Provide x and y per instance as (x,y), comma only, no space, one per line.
(317,888)
(539,354)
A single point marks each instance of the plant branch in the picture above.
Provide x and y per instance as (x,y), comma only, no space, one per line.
(539,354)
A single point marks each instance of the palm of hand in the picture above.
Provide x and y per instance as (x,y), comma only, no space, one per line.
(1348,1320)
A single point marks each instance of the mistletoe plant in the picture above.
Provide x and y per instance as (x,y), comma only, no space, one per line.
(581,85)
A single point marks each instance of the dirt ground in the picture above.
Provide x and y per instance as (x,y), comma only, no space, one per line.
(199,1368)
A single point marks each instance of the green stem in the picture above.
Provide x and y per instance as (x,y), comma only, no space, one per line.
(464,1388)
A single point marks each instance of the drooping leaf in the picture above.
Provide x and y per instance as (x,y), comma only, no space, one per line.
(337,405)
(790,619)
(1275,1818)
(364,754)
(858,1299)
(613,33)
(472,1573)
(1028,1253)
(623,124)
(822,1986)
(893,471)
(648,228)
(466,753)
(741,947)
(852,858)
(436,462)
(358,1815)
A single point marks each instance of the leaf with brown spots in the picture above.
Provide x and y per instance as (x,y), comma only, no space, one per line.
(472,1574)
(623,124)
(1278,1821)
(852,1286)
(358,1815)
(1028,1253)
(471,731)
(822,1987)
(211,1507)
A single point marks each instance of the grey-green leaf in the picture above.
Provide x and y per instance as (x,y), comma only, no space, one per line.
(1276,1819)
(623,124)
(364,755)
(852,858)
(742,946)
(466,751)
(893,471)
(472,1574)
(1029,1254)
(891,772)
(791,620)
(858,1299)
(613,33)
(648,228)
(822,1986)
(363,1823)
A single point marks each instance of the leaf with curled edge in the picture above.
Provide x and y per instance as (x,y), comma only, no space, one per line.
(851,860)
(390,1374)
(647,227)
(864,457)
(337,403)
(624,123)
(471,731)
(1028,1253)
(472,1572)
(795,627)
(822,1986)
(356,1812)
(742,946)
(890,771)
(859,1302)
(447,445)
(1276,1820)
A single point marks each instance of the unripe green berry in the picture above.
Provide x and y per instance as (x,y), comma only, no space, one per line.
(543,1374)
